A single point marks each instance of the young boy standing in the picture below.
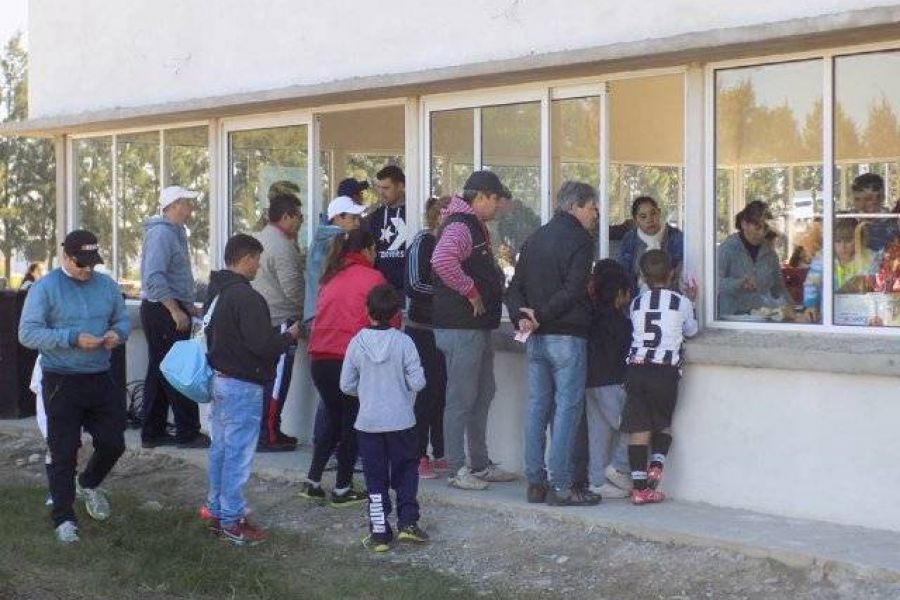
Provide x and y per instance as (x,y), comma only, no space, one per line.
(661,320)
(382,367)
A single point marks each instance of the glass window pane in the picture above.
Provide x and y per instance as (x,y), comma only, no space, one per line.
(511,148)
(452,150)
(575,142)
(866,282)
(94,193)
(137,163)
(769,150)
(258,159)
(186,163)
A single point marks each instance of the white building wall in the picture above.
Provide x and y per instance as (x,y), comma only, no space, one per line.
(99,54)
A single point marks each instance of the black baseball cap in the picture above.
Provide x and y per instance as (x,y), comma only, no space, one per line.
(82,245)
(351,187)
(488,182)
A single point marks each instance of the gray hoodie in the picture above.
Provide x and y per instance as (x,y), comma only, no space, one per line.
(165,262)
(382,367)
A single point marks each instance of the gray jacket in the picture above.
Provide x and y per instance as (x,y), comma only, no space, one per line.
(165,262)
(382,367)
(733,264)
(280,275)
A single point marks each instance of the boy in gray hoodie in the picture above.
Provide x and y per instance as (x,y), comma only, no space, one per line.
(383,368)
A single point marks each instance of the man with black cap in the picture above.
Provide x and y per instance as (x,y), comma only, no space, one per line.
(74,317)
(466,307)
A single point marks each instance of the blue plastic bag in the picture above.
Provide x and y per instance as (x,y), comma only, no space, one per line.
(186,367)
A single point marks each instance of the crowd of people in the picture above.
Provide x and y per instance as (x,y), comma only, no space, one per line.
(398,330)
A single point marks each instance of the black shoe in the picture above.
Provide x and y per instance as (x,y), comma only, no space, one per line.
(201,440)
(283,438)
(312,492)
(160,440)
(275,446)
(413,534)
(574,497)
(537,493)
(349,498)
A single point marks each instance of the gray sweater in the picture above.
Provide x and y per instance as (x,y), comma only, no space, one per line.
(382,367)
(733,263)
(280,276)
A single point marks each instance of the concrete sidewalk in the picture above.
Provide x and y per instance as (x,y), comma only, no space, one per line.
(855,551)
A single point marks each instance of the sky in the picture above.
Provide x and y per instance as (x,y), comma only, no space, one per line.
(13,17)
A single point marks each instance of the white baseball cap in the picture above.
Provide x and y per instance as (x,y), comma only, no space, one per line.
(344,204)
(174,193)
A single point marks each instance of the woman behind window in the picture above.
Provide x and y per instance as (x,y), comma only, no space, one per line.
(649,233)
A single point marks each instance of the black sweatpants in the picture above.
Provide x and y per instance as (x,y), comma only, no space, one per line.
(275,393)
(338,432)
(159,328)
(429,406)
(74,401)
(389,461)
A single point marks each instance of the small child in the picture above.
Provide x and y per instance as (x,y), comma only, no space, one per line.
(382,367)
(661,319)
(608,345)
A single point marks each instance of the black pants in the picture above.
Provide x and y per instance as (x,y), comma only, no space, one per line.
(72,402)
(429,407)
(275,393)
(390,460)
(159,328)
(338,432)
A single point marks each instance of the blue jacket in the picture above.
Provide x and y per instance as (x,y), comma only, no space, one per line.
(166,262)
(58,308)
(633,247)
(315,265)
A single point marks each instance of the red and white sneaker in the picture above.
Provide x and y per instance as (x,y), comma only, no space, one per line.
(244,532)
(426,469)
(440,465)
(211,522)
(654,476)
(646,496)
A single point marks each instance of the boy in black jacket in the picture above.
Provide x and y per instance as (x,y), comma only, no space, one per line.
(243,348)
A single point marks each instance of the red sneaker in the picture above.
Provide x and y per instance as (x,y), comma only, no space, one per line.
(440,465)
(426,469)
(654,475)
(646,496)
(244,532)
(211,522)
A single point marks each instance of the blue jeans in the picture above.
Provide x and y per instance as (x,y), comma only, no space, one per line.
(557,368)
(234,429)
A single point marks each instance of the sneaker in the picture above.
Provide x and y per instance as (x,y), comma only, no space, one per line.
(161,440)
(349,498)
(574,497)
(494,473)
(201,440)
(275,446)
(67,532)
(372,544)
(466,480)
(212,523)
(413,534)
(654,475)
(537,493)
(311,491)
(244,532)
(440,465)
(283,438)
(426,470)
(646,496)
(96,501)
(609,491)
(618,478)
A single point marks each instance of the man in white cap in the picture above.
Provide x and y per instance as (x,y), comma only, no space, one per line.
(167,293)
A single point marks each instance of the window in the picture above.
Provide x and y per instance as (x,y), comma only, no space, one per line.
(452,150)
(117,184)
(768,158)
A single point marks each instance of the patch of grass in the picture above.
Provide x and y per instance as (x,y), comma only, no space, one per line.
(169,554)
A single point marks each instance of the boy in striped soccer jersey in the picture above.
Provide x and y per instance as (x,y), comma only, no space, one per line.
(661,319)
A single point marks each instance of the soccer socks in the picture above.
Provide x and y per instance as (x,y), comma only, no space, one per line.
(637,460)
(660,444)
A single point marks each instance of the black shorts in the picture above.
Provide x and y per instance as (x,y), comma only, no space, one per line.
(652,391)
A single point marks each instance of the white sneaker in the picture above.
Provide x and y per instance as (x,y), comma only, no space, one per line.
(67,532)
(608,491)
(466,480)
(618,478)
(95,502)
(493,472)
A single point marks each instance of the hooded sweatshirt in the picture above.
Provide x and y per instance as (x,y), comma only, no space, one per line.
(242,342)
(315,265)
(382,367)
(388,225)
(165,262)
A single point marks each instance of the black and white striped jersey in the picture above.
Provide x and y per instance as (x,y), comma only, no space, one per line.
(661,320)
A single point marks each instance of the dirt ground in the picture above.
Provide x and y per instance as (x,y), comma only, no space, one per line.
(490,550)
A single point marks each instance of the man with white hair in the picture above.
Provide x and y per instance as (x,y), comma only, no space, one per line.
(167,293)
